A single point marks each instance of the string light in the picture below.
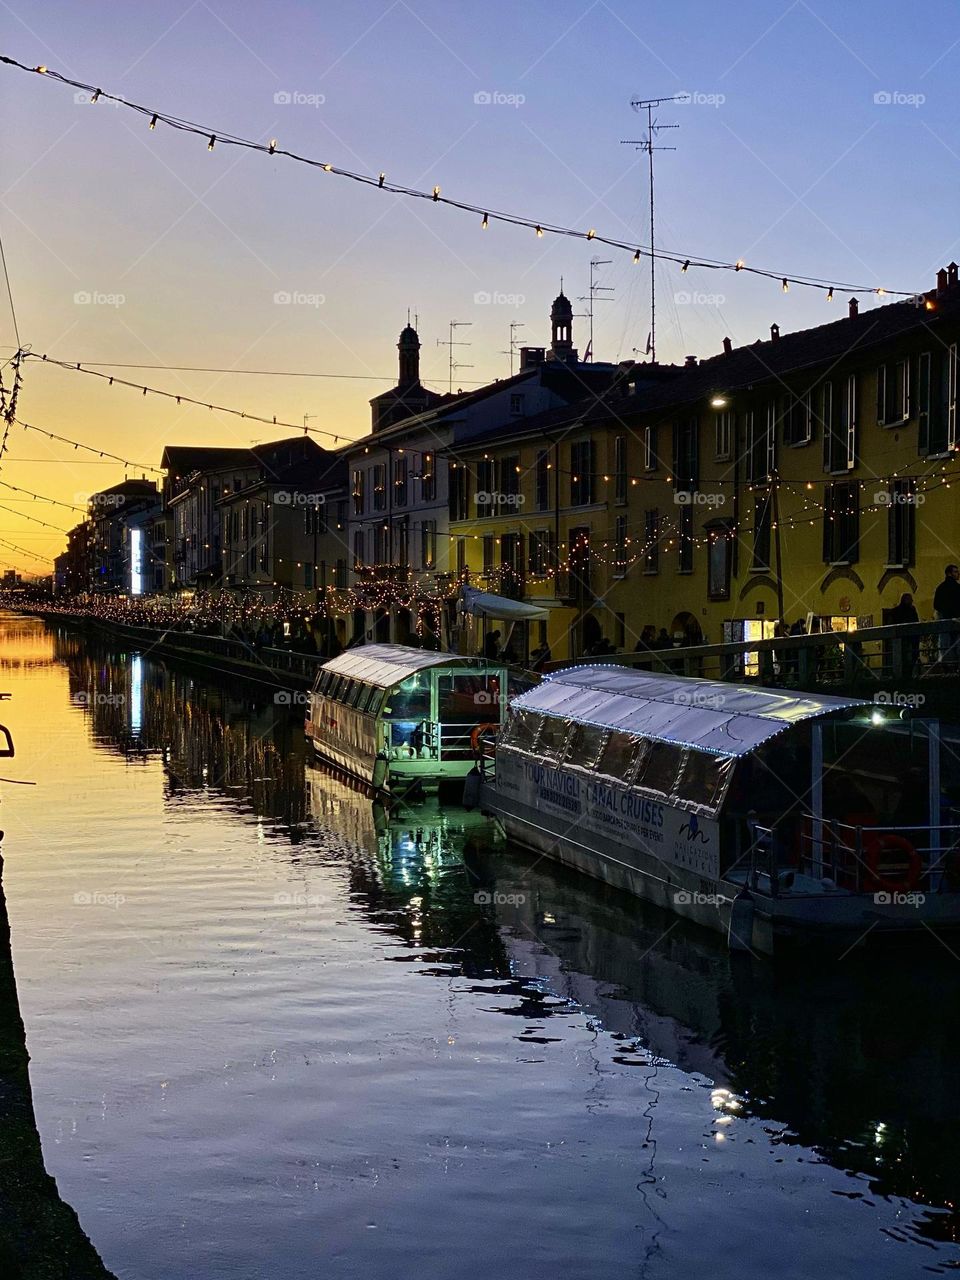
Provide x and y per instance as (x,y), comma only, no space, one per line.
(113,380)
(485,223)
(153,121)
(211,143)
(537,225)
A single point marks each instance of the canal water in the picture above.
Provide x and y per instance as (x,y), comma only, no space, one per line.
(277,1032)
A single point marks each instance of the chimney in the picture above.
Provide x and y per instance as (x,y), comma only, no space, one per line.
(952,275)
(854,308)
(530,357)
(942,280)
(774,332)
(690,362)
(727,346)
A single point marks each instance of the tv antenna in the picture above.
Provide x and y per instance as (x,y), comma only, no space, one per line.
(595,294)
(451,342)
(514,325)
(648,144)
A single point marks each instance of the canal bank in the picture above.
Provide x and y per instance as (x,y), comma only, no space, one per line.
(275,1030)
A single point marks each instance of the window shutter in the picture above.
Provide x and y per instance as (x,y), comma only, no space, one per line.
(852,402)
(828,506)
(881,395)
(923,403)
(952,397)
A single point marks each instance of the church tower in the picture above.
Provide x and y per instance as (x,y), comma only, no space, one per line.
(561,329)
(409,348)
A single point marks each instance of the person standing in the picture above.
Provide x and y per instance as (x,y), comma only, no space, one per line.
(946,605)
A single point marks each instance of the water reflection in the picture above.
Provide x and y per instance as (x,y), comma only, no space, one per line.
(853,1060)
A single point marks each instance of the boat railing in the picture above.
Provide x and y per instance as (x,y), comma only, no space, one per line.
(862,658)
(881,858)
(759,858)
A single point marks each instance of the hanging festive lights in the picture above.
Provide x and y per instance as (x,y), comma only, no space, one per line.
(539,225)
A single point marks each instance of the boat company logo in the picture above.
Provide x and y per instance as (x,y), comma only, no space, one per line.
(496,898)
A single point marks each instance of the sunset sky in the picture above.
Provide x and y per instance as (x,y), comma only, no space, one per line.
(786,159)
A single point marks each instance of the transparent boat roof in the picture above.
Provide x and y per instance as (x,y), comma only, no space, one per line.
(389,664)
(709,715)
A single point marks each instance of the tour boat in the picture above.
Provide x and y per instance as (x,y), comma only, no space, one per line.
(403,719)
(767,814)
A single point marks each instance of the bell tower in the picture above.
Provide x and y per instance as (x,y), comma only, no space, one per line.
(409,348)
(561,328)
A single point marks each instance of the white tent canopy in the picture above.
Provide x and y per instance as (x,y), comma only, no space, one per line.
(709,715)
(484,604)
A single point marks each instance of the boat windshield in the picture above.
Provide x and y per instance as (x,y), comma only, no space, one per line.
(410,700)
(468,698)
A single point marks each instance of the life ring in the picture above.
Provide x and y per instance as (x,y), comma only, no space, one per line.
(476,734)
(892,861)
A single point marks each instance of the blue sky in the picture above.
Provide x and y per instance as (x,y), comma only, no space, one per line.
(787,160)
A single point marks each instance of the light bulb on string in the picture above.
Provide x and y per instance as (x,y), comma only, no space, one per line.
(212,143)
(539,231)
(485,223)
(153,121)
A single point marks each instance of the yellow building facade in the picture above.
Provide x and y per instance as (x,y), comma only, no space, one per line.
(811,477)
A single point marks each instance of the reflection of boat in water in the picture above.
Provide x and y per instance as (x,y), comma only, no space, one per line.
(769,815)
(854,1060)
(403,719)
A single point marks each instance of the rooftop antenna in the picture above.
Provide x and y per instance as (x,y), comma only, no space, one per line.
(595,294)
(514,325)
(451,342)
(648,144)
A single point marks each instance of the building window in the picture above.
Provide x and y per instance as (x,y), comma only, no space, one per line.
(840,425)
(841,522)
(340,581)
(893,393)
(380,487)
(620,468)
(724,445)
(488,545)
(685,540)
(581,473)
(484,496)
(358,477)
(798,418)
(650,462)
(428,479)
(542,481)
(461,557)
(762,525)
(620,548)
(902,523)
(399,482)
(541,557)
(508,480)
(379,544)
(651,541)
(400,540)
(458,492)
(762,442)
(937,402)
(341,515)
(516,403)
(428,544)
(719,561)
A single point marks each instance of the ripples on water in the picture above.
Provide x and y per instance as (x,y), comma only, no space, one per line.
(276,1032)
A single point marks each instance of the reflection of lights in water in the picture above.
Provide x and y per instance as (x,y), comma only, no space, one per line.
(549,918)
(879,1132)
(136,693)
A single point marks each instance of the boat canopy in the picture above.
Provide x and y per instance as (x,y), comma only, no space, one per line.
(388,664)
(707,715)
